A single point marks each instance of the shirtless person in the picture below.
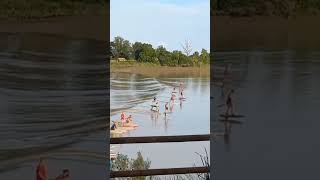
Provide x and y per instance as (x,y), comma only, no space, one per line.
(155,104)
(181,87)
(42,170)
(229,103)
(172,98)
(123,116)
(166,107)
(129,119)
(181,95)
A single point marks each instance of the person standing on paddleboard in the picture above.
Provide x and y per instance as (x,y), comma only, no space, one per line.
(181,87)
(166,107)
(172,98)
(181,95)
(173,93)
(123,117)
(155,104)
(226,79)
(230,103)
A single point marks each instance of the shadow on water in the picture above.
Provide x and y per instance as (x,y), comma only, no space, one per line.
(53,95)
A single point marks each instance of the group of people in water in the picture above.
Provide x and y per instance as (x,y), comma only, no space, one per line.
(42,172)
(155,105)
(124,120)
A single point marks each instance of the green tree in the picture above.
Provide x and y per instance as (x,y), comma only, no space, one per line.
(174,61)
(163,55)
(137,50)
(204,57)
(121,48)
(184,60)
(148,54)
(123,163)
(195,58)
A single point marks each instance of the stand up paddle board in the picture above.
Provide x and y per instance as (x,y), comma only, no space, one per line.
(234,116)
(231,121)
(117,131)
(130,125)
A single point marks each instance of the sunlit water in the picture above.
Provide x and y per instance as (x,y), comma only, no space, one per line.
(279,93)
(133,93)
(53,98)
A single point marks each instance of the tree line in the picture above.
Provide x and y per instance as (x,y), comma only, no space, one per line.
(264,7)
(145,53)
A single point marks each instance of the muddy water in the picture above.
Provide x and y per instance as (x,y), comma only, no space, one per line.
(53,103)
(133,93)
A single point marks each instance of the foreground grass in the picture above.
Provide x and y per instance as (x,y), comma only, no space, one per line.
(156,70)
(33,9)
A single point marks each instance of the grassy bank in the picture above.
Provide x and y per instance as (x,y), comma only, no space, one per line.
(35,9)
(154,70)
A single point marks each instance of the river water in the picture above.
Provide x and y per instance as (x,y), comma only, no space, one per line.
(133,93)
(53,103)
(278,92)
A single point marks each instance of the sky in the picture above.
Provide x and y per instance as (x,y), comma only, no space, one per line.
(162,22)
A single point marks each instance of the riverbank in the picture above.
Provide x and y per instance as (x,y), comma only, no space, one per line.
(95,27)
(34,9)
(284,8)
(155,70)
